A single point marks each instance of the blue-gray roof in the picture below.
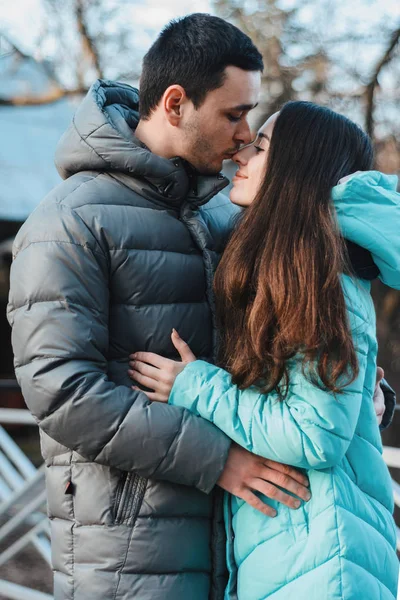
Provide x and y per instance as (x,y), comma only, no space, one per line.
(28,137)
(29,133)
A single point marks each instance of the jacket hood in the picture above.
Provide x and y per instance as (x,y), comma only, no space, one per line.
(368,212)
(101,138)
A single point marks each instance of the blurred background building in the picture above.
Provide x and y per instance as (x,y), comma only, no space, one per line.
(340,54)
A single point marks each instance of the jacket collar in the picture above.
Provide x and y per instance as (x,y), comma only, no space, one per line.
(102,138)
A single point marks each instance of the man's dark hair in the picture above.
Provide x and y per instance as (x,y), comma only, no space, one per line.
(194,52)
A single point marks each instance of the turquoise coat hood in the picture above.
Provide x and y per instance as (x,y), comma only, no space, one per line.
(368,211)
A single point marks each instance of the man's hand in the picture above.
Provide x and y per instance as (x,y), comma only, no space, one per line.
(246,473)
(379,397)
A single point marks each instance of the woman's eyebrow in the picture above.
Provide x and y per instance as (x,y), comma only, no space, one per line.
(256,137)
(263,135)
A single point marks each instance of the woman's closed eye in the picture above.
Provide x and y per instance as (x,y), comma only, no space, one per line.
(259,149)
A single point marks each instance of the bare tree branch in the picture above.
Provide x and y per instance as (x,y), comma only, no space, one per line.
(48,98)
(88,43)
(371,87)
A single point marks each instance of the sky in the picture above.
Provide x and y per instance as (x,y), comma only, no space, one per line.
(22,19)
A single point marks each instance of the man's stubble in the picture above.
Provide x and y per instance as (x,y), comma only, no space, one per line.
(200,152)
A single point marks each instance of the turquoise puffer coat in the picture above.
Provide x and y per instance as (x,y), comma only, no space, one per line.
(341,544)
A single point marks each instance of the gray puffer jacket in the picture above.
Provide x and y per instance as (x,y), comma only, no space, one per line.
(112,259)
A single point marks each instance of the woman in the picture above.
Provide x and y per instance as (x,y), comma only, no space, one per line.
(298,360)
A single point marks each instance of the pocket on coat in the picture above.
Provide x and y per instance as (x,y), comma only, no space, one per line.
(129,496)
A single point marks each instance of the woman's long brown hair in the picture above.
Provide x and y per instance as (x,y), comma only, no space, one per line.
(278,288)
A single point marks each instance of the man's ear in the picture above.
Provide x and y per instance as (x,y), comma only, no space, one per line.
(173,100)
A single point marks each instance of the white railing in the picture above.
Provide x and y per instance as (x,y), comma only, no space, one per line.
(23,501)
(22,506)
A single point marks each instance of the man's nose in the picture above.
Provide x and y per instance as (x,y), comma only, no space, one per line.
(241,158)
(243,133)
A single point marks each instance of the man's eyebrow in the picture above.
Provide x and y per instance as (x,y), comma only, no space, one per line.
(243,107)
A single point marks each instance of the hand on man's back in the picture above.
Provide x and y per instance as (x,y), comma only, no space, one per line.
(246,473)
(379,396)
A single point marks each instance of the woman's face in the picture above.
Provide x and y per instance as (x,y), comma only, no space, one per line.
(251,161)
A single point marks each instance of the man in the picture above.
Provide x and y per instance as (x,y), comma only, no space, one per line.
(114,258)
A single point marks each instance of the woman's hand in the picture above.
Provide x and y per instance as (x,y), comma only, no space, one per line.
(158,373)
(379,397)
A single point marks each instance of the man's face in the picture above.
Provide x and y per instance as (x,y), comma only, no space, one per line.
(215,131)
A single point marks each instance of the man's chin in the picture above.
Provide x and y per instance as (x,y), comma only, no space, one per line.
(208,169)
